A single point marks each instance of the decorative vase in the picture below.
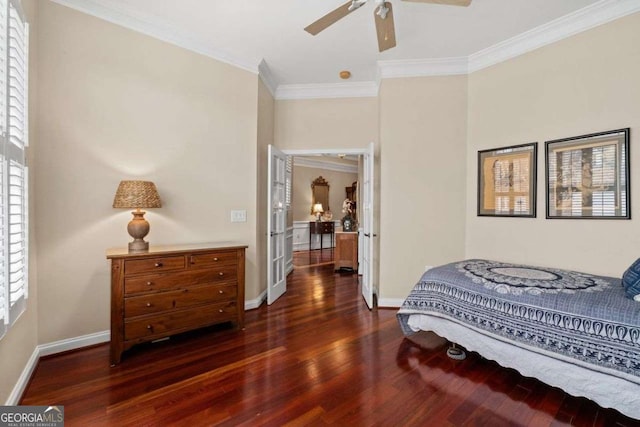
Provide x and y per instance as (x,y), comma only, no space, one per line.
(347,223)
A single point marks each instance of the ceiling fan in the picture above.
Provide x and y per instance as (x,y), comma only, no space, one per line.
(383,16)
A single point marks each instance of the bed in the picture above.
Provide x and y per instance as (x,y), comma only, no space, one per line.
(576,331)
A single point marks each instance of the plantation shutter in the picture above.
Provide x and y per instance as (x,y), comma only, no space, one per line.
(4,289)
(288,184)
(593,167)
(14,185)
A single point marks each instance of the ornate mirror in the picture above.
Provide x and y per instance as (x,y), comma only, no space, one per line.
(320,193)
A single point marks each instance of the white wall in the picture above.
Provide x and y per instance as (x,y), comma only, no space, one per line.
(587,83)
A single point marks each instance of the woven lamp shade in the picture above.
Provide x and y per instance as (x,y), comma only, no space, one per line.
(136,194)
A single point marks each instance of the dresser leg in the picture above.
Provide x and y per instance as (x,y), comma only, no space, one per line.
(115,356)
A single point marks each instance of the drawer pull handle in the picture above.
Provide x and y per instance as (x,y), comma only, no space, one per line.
(148,304)
(221,274)
(221,311)
(221,292)
(149,283)
(149,327)
(158,264)
(215,258)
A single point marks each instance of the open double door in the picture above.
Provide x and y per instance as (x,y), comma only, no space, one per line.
(277,222)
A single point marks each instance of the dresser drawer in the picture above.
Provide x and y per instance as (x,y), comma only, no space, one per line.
(225,273)
(321,227)
(172,300)
(148,265)
(213,259)
(159,282)
(179,320)
(326,227)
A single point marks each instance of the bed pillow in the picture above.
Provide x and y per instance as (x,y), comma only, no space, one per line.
(631,280)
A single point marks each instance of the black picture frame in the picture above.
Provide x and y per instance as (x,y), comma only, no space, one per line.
(588,177)
(507,181)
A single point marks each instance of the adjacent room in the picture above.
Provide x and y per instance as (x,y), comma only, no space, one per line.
(324,195)
(416,212)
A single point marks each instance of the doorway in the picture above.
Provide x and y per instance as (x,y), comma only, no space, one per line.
(323,192)
(280,247)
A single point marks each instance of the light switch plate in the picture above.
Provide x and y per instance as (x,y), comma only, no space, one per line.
(239,216)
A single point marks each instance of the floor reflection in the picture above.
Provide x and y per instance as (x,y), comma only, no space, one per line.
(481,392)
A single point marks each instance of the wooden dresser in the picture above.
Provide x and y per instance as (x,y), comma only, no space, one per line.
(346,253)
(173,289)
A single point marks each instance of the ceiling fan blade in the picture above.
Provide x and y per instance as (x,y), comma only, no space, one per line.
(330,18)
(385,28)
(464,3)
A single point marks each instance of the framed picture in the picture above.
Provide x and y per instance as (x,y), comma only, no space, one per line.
(507,181)
(588,176)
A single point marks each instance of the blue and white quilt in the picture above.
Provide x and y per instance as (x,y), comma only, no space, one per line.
(574,316)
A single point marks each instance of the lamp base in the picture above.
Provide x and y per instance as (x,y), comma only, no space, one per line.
(138,246)
(138,227)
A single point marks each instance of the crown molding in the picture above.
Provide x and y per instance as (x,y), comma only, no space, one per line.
(328,90)
(264,72)
(422,67)
(584,19)
(320,163)
(153,27)
(589,17)
(566,26)
(581,20)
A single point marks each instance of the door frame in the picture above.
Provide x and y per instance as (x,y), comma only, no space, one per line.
(336,152)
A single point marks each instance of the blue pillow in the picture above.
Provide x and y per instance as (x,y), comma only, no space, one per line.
(631,280)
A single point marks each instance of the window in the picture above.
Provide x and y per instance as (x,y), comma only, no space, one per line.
(13,169)
(287,184)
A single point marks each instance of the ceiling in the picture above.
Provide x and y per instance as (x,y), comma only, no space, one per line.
(245,32)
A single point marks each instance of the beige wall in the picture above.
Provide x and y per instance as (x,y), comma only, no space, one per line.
(115,104)
(422,144)
(326,123)
(301,194)
(587,83)
(313,124)
(266,110)
(20,341)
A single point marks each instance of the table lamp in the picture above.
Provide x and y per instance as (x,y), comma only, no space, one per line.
(317,209)
(137,194)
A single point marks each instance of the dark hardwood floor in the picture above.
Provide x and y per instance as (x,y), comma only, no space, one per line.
(314,258)
(317,356)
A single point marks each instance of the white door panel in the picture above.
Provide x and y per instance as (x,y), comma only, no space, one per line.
(276,225)
(367,227)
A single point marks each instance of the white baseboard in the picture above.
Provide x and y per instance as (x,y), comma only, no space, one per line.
(390,302)
(74,343)
(48,349)
(255,303)
(25,376)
